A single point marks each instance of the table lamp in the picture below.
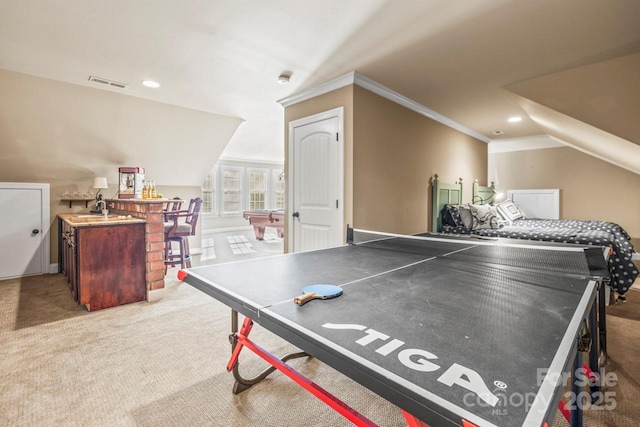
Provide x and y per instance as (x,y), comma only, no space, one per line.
(99,183)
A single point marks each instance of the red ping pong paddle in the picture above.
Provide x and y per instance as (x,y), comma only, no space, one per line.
(318,292)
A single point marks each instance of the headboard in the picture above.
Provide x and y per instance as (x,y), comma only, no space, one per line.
(483,195)
(443,194)
(537,203)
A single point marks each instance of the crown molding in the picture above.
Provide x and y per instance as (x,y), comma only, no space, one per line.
(412,105)
(321,89)
(379,89)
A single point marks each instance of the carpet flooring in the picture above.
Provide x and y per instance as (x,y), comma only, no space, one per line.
(163,364)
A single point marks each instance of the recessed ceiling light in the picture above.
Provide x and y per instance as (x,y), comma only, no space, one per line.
(498,132)
(151,84)
(514,119)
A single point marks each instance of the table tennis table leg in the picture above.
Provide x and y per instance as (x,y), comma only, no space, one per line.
(329,399)
(576,411)
(241,384)
(413,421)
(602,323)
(594,365)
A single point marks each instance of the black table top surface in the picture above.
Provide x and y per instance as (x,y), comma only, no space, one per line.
(432,327)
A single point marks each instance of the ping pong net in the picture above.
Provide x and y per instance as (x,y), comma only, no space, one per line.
(555,258)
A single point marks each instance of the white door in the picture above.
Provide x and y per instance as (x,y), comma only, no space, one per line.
(24,229)
(316,147)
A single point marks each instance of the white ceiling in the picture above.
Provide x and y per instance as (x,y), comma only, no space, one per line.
(224,57)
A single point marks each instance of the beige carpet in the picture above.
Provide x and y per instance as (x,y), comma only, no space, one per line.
(163,364)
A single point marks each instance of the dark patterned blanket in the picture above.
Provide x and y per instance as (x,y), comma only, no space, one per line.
(623,271)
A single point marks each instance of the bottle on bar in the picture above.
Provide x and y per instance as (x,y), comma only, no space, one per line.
(154,193)
(145,189)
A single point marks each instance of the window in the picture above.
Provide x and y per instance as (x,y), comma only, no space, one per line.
(209,204)
(231,190)
(258,189)
(234,186)
(278,188)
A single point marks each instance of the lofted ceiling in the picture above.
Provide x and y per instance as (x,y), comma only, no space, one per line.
(477,63)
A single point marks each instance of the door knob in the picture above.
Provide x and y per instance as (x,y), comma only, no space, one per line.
(296,214)
(35,231)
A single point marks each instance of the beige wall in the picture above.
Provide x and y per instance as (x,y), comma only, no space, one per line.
(342,97)
(52,131)
(65,135)
(589,187)
(396,152)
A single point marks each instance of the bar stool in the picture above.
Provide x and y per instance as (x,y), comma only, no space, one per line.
(178,231)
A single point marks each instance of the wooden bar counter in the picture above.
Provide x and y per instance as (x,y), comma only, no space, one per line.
(103,258)
(127,253)
(151,211)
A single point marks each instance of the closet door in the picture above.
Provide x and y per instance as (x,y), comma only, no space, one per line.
(316,169)
(24,229)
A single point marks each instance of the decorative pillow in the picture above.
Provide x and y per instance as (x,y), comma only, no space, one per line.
(509,210)
(446,218)
(465,216)
(483,217)
(453,214)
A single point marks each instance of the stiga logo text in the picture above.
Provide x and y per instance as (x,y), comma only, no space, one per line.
(422,361)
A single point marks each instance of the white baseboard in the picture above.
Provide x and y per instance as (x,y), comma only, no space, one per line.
(636,256)
(53,268)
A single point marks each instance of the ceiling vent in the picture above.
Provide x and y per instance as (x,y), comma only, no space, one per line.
(106,82)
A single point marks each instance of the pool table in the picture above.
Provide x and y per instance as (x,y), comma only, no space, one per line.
(265,218)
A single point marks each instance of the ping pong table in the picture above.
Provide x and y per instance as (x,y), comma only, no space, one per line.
(454,331)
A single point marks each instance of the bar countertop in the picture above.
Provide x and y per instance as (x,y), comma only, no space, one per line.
(79,220)
(143,201)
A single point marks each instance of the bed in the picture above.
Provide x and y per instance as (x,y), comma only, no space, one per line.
(484,217)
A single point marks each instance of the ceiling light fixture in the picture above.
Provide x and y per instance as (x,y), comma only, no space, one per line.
(514,119)
(150,83)
(498,132)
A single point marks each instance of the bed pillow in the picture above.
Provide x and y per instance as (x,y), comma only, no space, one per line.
(465,216)
(451,215)
(457,216)
(510,211)
(484,217)
(522,214)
